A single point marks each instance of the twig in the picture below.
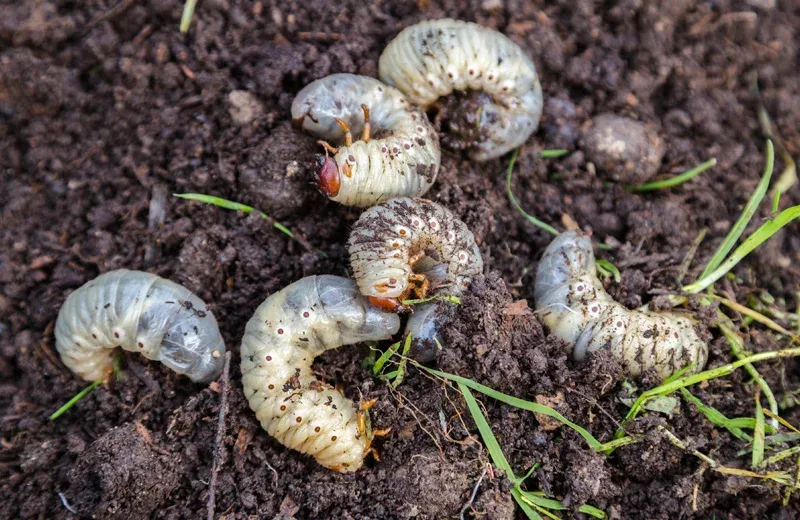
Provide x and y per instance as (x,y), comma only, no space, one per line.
(118,9)
(223,408)
(474,494)
(682,445)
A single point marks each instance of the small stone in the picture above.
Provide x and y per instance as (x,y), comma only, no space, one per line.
(623,149)
(244,107)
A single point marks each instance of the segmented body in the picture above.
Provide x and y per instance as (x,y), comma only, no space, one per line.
(388,238)
(288,330)
(402,159)
(139,312)
(575,307)
(434,58)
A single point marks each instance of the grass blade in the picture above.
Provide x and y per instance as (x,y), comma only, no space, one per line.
(511,198)
(757,316)
(782,455)
(749,209)
(186,17)
(760,236)
(715,416)
(376,368)
(609,269)
(593,511)
(518,403)
(789,175)
(553,154)
(758,434)
(706,375)
(69,404)
(401,369)
(737,349)
(529,512)
(237,206)
(674,181)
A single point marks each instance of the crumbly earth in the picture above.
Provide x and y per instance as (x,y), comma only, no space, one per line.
(106,109)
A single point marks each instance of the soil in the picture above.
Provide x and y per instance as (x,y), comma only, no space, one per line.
(106,109)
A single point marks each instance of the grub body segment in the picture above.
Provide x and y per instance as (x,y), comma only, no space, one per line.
(138,312)
(574,306)
(433,59)
(288,330)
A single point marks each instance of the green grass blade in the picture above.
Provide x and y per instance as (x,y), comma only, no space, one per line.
(538,498)
(776,201)
(782,455)
(376,368)
(489,440)
(511,198)
(528,510)
(455,300)
(737,349)
(69,404)
(401,369)
(235,206)
(674,181)
(706,375)
(760,236)
(216,201)
(749,209)
(553,154)
(715,416)
(610,268)
(758,434)
(518,403)
(186,17)
(593,511)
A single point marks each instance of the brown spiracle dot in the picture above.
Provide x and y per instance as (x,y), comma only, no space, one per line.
(116,334)
(299,419)
(306,314)
(280,331)
(283,407)
(317,429)
(333,439)
(269,358)
(271,387)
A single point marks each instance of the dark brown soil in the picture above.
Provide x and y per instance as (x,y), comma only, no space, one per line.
(105,109)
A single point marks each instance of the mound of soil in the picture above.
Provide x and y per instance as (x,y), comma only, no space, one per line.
(106,109)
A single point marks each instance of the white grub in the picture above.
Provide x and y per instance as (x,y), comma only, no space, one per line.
(435,58)
(139,312)
(288,330)
(396,154)
(575,307)
(389,239)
